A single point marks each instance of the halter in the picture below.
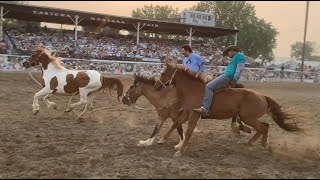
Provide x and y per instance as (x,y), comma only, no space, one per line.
(145,109)
(169,81)
(128,98)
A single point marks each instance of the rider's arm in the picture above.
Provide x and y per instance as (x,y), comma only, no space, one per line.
(239,69)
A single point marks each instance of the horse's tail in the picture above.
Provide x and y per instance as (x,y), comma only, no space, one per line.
(112,83)
(280,116)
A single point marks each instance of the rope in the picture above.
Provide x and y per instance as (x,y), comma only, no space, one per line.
(83,117)
(34,78)
(156,109)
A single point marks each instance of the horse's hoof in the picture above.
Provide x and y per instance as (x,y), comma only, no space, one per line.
(79,120)
(177,154)
(54,106)
(245,129)
(35,112)
(67,110)
(249,144)
(143,143)
(177,147)
(161,141)
(235,130)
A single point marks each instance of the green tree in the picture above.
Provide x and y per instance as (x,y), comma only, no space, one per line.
(161,13)
(296,50)
(256,37)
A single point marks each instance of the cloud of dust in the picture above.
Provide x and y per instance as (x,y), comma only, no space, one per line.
(297,148)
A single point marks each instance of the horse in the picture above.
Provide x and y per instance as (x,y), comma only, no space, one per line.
(59,80)
(227,103)
(167,105)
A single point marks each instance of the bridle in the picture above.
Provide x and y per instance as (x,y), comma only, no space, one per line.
(169,80)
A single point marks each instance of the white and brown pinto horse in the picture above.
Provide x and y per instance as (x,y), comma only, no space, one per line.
(59,80)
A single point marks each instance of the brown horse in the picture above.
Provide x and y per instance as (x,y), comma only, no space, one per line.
(166,102)
(167,105)
(227,103)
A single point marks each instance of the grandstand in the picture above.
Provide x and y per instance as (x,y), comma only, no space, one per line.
(111,53)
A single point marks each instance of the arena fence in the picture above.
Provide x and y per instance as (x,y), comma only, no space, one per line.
(12,63)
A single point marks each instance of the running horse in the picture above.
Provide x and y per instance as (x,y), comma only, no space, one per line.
(167,106)
(59,80)
(227,103)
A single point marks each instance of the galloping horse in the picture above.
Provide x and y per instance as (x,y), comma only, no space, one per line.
(167,105)
(227,103)
(165,101)
(59,80)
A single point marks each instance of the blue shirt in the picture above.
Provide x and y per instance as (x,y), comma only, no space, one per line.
(194,63)
(238,58)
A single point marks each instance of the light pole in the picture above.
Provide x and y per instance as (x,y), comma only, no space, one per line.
(304,40)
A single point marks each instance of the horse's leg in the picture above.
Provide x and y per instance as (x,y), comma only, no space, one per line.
(264,141)
(35,104)
(69,102)
(91,104)
(49,103)
(243,127)
(83,99)
(173,126)
(179,128)
(258,126)
(192,122)
(156,129)
(235,126)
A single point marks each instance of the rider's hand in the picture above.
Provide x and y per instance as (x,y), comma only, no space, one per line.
(233,82)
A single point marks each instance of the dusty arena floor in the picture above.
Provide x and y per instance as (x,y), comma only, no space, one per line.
(52,144)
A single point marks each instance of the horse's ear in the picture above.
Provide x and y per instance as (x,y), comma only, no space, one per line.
(39,50)
(134,75)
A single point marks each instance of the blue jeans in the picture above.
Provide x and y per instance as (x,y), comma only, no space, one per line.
(211,87)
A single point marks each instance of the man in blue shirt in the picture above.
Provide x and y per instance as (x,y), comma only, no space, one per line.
(232,73)
(192,61)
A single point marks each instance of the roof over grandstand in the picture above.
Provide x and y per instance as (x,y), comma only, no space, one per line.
(65,16)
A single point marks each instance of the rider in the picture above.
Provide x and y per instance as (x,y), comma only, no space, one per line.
(192,62)
(232,72)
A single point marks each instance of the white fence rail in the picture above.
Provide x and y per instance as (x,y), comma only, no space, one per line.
(12,63)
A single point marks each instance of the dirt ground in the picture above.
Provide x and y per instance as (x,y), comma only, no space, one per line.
(52,144)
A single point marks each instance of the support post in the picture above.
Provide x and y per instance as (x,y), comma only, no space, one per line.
(138,28)
(190,35)
(304,41)
(1,24)
(138,33)
(76,32)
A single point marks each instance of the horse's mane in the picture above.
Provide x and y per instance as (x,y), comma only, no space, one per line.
(141,78)
(179,68)
(56,61)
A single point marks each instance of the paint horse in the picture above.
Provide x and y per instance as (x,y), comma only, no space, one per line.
(59,80)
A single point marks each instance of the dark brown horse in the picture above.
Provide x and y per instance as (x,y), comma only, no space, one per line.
(227,103)
(167,105)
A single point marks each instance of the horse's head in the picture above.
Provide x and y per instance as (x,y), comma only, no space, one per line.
(40,57)
(133,93)
(167,76)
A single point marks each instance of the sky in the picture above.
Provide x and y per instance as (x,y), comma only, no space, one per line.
(288,17)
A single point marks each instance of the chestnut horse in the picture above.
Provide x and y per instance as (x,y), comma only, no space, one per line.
(227,103)
(59,80)
(167,105)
